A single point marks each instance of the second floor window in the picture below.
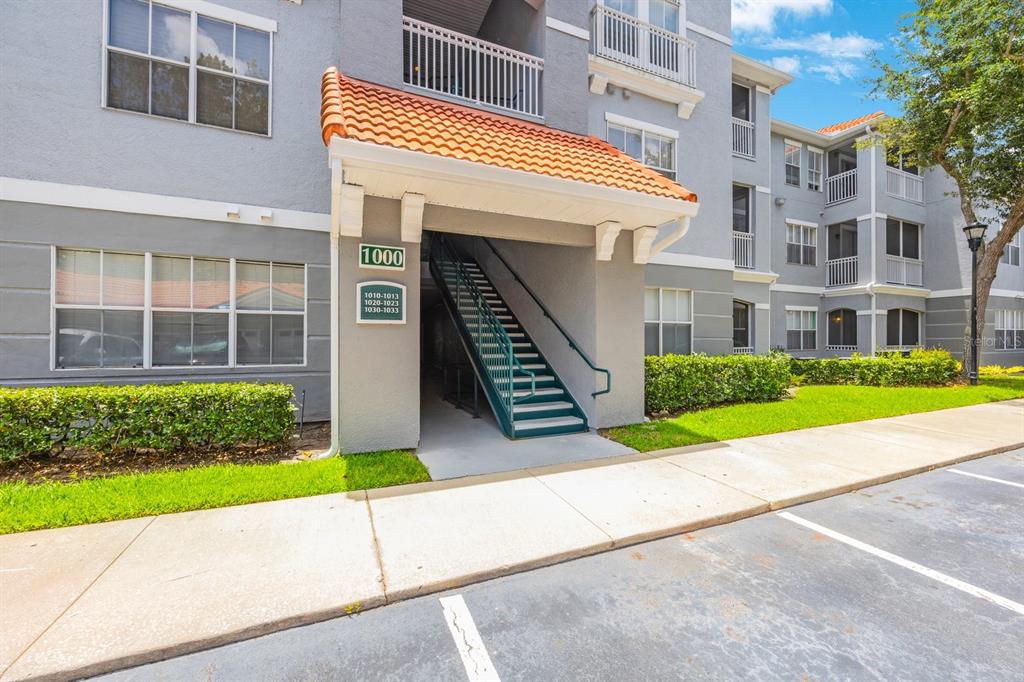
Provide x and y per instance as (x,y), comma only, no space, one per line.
(1011,254)
(184,65)
(740,208)
(815,164)
(801,244)
(792,154)
(740,102)
(653,150)
(902,239)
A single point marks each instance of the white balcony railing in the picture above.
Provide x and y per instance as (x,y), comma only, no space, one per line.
(841,348)
(742,350)
(904,185)
(841,187)
(900,270)
(840,272)
(625,39)
(743,250)
(471,69)
(743,137)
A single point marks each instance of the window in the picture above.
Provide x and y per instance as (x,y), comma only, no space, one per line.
(902,239)
(897,159)
(741,321)
(792,154)
(740,102)
(801,329)
(155,54)
(902,328)
(1009,330)
(842,329)
(1011,254)
(654,151)
(668,321)
(102,300)
(662,13)
(99,301)
(740,208)
(801,244)
(815,164)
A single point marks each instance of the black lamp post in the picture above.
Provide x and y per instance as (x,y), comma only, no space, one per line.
(975,238)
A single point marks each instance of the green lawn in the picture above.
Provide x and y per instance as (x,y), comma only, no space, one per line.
(812,406)
(52,505)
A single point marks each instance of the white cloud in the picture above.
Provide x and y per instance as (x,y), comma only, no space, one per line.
(850,46)
(835,71)
(758,16)
(790,64)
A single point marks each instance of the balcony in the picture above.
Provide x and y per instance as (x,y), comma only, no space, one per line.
(841,272)
(472,70)
(743,138)
(742,350)
(841,187)
(622,38)
(906,271)
(743,250)
(904,185)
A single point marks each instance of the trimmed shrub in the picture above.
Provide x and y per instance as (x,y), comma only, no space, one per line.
(919,368)
(130,418)
(686,382)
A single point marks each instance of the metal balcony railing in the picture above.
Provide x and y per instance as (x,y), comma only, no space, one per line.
(904,185)
(743,250)
(625,39)
(743,137)
(841,272)
(841,187)
(900,270)
(471,69)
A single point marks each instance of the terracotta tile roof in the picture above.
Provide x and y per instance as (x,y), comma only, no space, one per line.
(368,112)
(846,125)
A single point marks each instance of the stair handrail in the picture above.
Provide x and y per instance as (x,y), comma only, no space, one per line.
(548,314)
(486,316)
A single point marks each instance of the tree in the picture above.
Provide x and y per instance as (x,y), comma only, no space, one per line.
(959,76)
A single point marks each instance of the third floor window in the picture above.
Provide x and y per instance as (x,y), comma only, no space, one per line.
(792,155)
(1011,254)
(740,102)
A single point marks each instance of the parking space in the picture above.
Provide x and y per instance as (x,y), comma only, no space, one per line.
(921,578)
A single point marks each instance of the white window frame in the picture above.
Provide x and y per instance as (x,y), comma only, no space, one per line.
(1012,251)
(661,321)
(920,330)
(815,176)
(920,240)
(1007,320)
(802,229)
(789,147)
(802,314)
(631,125)
(195,8)
(643,13)
(147,309)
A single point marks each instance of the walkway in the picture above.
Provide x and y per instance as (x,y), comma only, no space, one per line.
(95,598)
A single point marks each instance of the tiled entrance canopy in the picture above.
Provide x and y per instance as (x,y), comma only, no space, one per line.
(367,112)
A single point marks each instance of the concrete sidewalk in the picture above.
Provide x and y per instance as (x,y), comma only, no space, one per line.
(88,599)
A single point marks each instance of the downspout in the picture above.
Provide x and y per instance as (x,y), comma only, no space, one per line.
(336,183)
(874,248)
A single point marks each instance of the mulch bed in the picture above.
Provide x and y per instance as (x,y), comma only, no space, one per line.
(76,465)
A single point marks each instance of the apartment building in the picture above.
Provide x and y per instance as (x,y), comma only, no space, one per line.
(383,202)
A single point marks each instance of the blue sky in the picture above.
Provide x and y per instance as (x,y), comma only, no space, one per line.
(825,45)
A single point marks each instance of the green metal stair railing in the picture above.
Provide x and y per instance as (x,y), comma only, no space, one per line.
(490,349)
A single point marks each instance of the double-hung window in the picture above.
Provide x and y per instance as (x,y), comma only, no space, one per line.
(801,244)
(1011,254)
(115,309)
(170,61)
(815,165)
(902,328)
(1009,330)
(801,328)
(668,321)
(654,150)
(792,156)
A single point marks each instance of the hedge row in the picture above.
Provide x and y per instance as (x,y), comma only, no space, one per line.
(686,382)
(130,418)
(919,368)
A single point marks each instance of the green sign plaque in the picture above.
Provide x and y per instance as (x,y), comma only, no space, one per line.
(380,303)
(377,257)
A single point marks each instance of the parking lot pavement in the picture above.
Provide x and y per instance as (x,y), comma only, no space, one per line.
(921,578)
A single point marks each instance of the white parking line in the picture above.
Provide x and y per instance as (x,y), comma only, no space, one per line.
(467,640)
(985,478)
(906,563)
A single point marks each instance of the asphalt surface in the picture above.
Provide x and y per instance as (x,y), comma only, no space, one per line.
(926,582)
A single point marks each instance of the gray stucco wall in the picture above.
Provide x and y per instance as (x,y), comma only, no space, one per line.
(712,303)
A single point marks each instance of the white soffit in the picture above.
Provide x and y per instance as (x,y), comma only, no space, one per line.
(390,172)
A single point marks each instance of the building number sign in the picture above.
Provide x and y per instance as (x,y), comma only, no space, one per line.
(380,303)
(377,257)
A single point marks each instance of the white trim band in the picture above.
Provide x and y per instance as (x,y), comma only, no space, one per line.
(708,33)
(802,308)
(568,29)
(797,289)
(801,223)
(616,119)
(224,13)
(687,260)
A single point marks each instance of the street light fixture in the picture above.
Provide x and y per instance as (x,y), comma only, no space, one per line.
(975,233)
